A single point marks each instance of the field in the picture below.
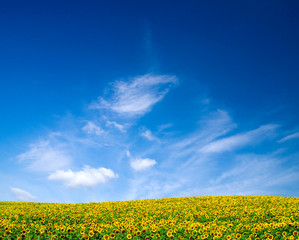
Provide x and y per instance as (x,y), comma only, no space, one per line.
(233,217)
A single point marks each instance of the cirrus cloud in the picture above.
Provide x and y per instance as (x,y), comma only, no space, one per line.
(239,140)
(21,195)
(289,137)
(137,96)
(44,157)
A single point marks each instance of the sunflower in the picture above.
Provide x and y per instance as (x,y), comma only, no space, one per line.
(85,236)
(106,237)
(91,233)
(112,235)
(129,236)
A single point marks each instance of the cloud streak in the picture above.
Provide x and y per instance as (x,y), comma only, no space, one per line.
(289,137)
(137,96)
(118,126)
(212,126)
(239,140)
(21,195)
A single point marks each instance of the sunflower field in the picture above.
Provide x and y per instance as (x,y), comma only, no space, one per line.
(229,217)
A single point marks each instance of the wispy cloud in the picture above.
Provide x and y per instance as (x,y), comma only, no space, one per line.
(88,177)
(21,195)
(120,127)
(164,126)
(239,140)
(249,166)
(255,174)
(148,135)
(92,128)
(289,137)
(43,157)
(212,126)
(137,96)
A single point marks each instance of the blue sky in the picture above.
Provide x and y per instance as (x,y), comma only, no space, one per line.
(123,100)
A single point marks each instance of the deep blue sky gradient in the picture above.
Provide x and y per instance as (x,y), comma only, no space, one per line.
(57,57)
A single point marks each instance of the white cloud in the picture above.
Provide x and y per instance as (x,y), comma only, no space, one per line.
(227,144)
(165,126)
(291,136)
(211,127)
(136,97)
(21,194)
(92,128)
(239,140)
(116,125)
(142,164)
(148,135)
(88,177)
(44,157)
(128,153)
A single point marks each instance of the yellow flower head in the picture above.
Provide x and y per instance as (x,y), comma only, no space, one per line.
(91,233)
(106,237)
